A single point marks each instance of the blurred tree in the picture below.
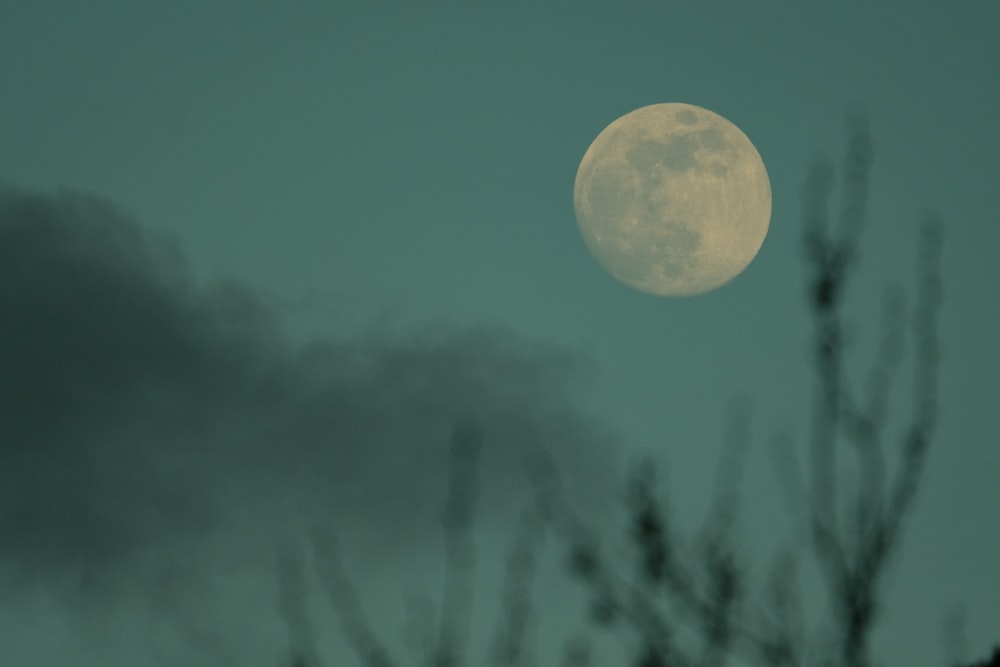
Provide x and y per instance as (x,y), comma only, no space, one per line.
(444,645)
(702,586)
(687,601)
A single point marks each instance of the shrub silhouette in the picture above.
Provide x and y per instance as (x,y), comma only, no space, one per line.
(677,589)
(852,542)
(443,646)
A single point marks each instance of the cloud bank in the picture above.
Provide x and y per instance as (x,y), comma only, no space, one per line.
(144,415)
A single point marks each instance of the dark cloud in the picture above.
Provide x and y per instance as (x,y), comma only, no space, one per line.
(143,415)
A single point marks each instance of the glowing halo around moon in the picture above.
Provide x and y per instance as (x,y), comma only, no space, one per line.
(672,200)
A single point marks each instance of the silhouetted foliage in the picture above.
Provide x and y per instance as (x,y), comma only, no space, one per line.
(854,557)
(293,610)
(853,542)
(686,600)
(443,646)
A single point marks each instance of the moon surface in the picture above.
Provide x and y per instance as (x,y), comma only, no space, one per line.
(672,200)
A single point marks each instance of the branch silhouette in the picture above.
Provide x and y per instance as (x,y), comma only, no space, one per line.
(701,587)
(443,646)
(685,600)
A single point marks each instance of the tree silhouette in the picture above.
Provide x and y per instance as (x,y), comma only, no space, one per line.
(687,601)
(853,540)
(443,646)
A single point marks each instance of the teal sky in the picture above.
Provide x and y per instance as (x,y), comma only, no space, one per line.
(370,171)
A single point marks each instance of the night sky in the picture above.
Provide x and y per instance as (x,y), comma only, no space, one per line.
(257,260)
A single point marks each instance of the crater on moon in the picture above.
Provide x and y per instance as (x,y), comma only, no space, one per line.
(673,199)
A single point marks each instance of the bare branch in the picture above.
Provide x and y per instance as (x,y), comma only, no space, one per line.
(293,608)
(517,609)
(346,603)
(459,549)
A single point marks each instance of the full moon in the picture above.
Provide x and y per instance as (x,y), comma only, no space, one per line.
(672,200)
